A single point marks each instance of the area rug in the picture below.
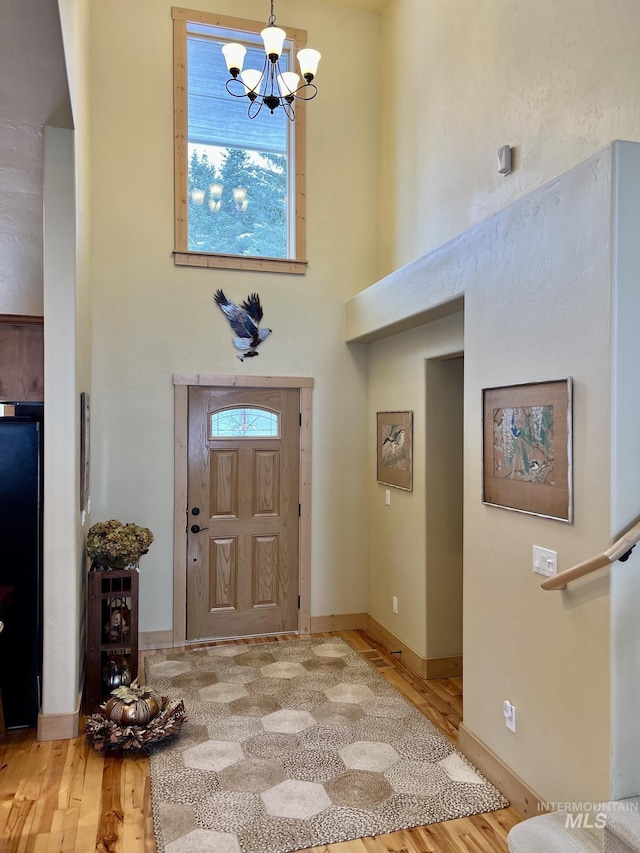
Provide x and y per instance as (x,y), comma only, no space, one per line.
(297,744)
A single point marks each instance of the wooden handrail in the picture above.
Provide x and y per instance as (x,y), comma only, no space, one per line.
(620,550)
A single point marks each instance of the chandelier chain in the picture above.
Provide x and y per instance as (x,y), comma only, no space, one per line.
(272,17)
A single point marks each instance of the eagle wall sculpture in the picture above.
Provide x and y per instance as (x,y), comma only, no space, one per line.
(244,320)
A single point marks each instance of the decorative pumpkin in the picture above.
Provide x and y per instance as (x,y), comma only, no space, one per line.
(134,705)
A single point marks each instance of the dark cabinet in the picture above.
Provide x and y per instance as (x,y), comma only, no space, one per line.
(21,475)
(112,633)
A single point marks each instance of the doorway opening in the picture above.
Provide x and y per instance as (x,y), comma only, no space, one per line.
(444,514)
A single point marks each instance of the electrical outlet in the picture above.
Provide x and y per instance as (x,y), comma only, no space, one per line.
(394,604)
(387,497)
(509,715)
(545,562)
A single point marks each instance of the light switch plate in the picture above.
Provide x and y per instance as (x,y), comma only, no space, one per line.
(545,562)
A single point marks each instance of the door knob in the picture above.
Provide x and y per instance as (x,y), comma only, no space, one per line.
(195,528)
(1,626)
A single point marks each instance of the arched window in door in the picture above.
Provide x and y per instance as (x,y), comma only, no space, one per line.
(244,422)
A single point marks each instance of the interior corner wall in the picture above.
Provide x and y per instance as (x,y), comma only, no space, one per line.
(152,319)
(556,81)
(61,611)
(536,279)
(398,557)
(67,300)
(625,495)
(444,439)
(534,311)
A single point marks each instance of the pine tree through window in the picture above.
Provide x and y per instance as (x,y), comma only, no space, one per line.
(239,193)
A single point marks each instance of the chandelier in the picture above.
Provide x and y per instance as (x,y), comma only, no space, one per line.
(271,87)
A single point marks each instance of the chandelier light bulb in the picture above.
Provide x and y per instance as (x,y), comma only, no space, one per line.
(273,38)
(215,190)
(308,59)
(252,78)
(234,57)
(197,196)
(288,82)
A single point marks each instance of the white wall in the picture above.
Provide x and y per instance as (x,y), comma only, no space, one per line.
(537,305)
(151,319)
(61,617)
(33,94)
(625,495)
(67,373)
(556,80)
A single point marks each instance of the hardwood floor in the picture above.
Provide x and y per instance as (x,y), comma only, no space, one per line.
(64,797)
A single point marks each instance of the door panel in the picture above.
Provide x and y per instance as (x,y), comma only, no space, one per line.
(223,568)
(243,557)
(265,571)
(224,482)
(266,482)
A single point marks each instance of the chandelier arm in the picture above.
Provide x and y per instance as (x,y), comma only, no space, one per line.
(237,94)
(254,107)
(288,110)
(305,97)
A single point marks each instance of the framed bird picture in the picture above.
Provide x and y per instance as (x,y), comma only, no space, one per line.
(394,444)
(527,448)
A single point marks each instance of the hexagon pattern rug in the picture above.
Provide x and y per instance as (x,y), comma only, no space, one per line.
(297,744)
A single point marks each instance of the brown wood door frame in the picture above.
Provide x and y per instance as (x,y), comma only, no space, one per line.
(182,382)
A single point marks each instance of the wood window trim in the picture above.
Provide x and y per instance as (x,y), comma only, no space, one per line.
(181,255)
(181,382)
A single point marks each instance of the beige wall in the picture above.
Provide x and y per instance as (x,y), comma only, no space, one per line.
(397,565)
(536,283)
(151,319)
(444,430)
(556,80)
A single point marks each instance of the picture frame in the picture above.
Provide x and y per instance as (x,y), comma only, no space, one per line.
(527,438)
(394,449)
(85,446)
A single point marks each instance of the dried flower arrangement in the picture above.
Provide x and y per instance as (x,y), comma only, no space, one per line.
(114,545)
(134,718)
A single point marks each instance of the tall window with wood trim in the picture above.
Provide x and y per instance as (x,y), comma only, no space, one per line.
(239,182)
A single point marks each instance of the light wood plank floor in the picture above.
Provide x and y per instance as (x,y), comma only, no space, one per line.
(64,797)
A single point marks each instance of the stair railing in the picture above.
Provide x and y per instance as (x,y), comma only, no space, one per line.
(620,550)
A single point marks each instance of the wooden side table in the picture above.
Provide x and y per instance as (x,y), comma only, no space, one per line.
(112,631)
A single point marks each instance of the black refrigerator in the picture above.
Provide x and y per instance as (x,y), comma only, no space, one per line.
(21,471)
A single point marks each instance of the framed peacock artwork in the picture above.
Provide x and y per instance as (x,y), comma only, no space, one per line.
(527,448)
